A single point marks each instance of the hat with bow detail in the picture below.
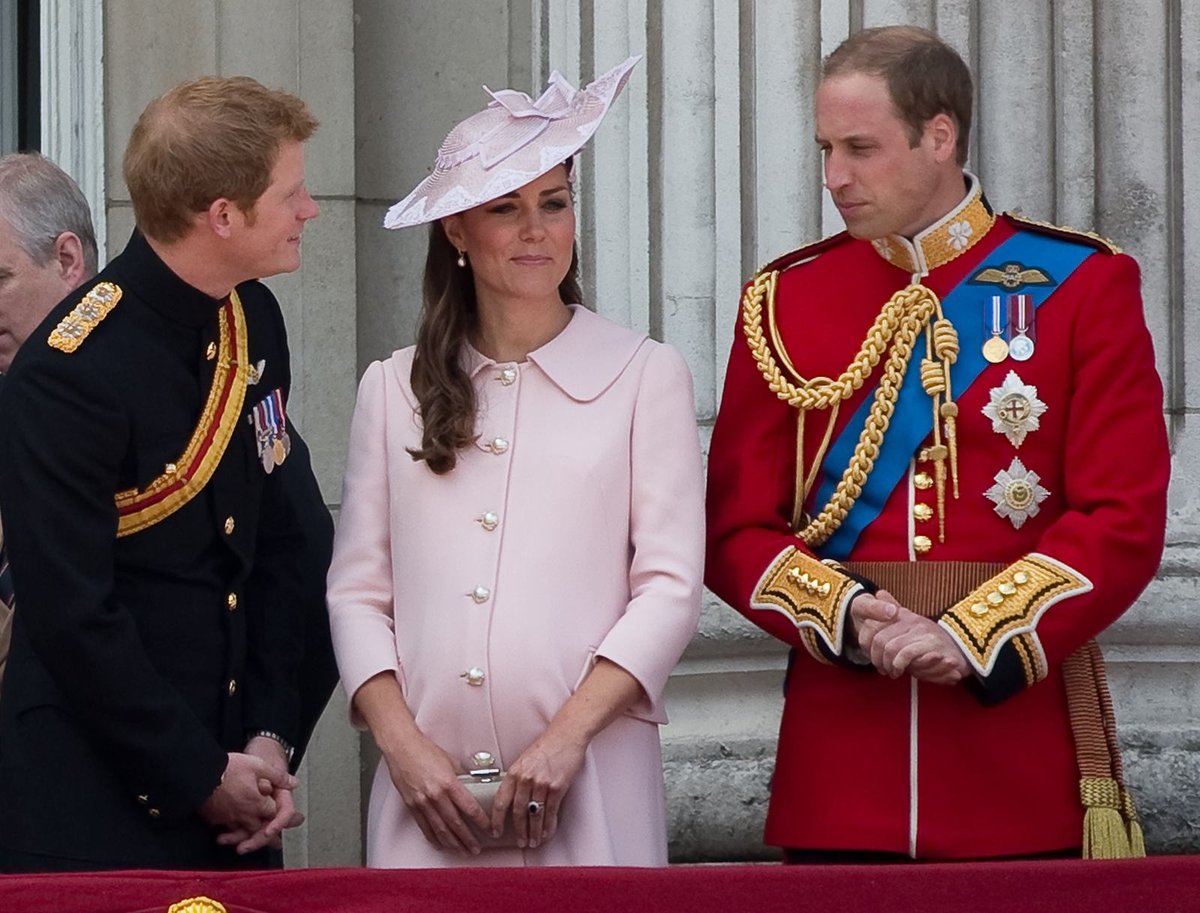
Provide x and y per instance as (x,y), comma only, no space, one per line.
(508,144)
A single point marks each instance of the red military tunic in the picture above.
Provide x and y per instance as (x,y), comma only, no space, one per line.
(988,767)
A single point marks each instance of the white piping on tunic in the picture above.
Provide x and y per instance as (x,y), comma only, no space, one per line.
(912,771)
(912,710)
(912,504)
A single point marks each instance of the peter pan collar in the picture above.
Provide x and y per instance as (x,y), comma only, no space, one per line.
(952,235)
(584,360)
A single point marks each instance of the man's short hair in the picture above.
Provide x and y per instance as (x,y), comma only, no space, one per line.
(924,75)
(205,139)
(38,202)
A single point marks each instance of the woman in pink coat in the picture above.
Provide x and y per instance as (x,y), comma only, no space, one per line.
(519,557)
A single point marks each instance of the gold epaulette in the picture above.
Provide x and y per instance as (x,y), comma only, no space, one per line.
(1089,238)
(803,254)
(73,329)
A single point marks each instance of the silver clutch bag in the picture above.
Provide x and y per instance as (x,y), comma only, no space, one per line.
(483,784)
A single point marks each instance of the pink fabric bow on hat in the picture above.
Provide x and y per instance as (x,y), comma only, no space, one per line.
(508,144)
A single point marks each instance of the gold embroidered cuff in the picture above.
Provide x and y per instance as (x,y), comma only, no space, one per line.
(1008,605)
(812,643)
(812,593)
(1033,660)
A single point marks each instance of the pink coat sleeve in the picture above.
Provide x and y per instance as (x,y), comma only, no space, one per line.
(666,531)
(360,577)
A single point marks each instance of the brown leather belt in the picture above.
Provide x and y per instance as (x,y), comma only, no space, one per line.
(928,588)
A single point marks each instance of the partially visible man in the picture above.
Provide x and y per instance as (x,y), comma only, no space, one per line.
(939,470)
(47,248)
(47,245)
(168,539)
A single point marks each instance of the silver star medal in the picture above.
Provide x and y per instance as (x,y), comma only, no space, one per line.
(1014,409)
(1017,493)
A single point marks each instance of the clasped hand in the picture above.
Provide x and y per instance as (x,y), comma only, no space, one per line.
(899,641)
(426,778)
(253,804)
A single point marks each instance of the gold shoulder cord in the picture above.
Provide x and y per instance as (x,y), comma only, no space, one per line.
(905,315)
(1104,242)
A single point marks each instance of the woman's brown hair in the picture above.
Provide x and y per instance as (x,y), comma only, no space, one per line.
(439,376)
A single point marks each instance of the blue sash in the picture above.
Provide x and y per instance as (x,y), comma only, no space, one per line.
(913,417)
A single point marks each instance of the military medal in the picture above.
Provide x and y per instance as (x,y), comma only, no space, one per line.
(1021,346)
(1017,493)
(995,349)
(270,430)
(1014,409)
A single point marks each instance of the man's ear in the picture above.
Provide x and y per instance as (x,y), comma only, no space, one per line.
(220,217)
(68,254)
(943,133)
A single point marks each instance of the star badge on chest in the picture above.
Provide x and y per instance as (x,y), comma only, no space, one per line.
(1014,409)
(1017,494)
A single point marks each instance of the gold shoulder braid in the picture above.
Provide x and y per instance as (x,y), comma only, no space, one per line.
(1065,231)
(73,329)
(182,480)
(907,314)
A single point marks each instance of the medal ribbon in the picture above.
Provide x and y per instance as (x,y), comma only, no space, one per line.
(912,419)
(274,404)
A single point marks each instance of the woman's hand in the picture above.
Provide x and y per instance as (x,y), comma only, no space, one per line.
(425,775)
(535,785)
(537,781)
(427,779)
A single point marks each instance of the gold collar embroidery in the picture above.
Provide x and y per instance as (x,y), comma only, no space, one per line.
(952,235)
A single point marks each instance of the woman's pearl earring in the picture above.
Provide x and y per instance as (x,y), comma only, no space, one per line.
(462,259)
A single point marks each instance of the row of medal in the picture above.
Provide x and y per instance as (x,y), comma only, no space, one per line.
(270,430)
(1011,327)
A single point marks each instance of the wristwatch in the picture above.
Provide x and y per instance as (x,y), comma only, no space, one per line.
(288,750)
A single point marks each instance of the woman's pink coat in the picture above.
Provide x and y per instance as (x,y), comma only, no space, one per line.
(572,530)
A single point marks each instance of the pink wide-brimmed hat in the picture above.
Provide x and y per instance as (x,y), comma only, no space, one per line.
(508,144)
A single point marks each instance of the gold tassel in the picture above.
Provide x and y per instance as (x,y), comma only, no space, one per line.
(1137,840)
(1104,833)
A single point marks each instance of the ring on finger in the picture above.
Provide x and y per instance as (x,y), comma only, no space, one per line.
(535,807)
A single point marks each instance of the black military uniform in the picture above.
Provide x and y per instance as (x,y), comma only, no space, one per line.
(170,553)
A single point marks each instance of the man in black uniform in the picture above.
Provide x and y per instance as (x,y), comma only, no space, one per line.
(47,248)
(167,536)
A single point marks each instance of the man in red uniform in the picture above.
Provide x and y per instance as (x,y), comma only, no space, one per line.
(939,471)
